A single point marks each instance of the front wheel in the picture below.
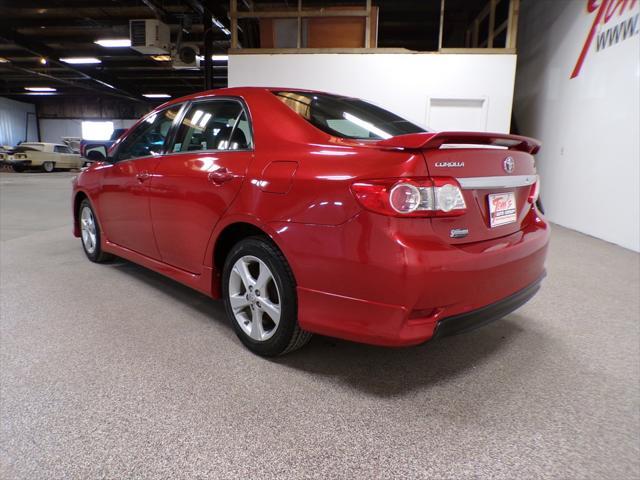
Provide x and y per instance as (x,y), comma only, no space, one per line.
(48,167)
(260,298)
(90,233)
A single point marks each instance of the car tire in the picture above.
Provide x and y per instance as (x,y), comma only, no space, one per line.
(266,321)
(90,233)
(48,167)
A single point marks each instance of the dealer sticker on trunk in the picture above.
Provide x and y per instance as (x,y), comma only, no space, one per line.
(502,208)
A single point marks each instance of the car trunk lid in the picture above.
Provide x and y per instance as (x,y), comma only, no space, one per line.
(496,172)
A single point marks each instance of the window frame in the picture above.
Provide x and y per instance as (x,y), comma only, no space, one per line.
(116,155)
(183,112)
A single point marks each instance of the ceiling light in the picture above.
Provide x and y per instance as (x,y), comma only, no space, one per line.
(80,60)
(40,89)
(3,60)
(161,58)
(43,60)
(156,95)
(114,42)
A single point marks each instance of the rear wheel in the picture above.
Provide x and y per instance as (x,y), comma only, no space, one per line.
(90,234)
(260,298)
(48,167)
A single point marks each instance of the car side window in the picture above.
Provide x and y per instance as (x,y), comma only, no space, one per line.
(214,125)
(61,149)
(149,137)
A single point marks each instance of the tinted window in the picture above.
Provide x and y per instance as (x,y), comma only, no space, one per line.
(347,117)
(149,137)
(214,125)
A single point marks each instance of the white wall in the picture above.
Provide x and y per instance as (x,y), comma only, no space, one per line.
(53,129)
(443,92)
(590,124)
(13,122)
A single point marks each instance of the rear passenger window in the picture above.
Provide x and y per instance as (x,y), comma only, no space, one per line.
(214,125)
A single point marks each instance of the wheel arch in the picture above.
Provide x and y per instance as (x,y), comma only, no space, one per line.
(78,197)
(231,232)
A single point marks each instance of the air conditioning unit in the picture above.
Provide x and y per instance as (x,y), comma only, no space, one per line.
(150,37)
(185,56)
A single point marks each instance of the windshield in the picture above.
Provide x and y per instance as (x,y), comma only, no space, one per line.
(347,117)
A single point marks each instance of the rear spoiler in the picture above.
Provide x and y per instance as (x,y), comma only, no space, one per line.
(433,141)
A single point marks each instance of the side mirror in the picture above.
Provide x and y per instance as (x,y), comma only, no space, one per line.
(96,153)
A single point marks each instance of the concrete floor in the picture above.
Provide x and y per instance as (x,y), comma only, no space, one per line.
(112,371)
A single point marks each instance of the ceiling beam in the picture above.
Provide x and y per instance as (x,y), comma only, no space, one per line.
(42,50)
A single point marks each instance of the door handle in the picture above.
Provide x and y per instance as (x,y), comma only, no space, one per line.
(220,176)
(143,176)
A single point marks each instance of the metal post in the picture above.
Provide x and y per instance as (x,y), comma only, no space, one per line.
(208,51)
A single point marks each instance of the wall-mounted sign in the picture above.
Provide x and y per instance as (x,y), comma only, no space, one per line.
(614,21)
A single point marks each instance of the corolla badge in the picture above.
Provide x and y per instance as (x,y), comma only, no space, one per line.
(508,164)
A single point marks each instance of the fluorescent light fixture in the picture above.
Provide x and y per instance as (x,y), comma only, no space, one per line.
(3,60)
(97,130)
(114,42)
(40,93)
(156,95)
(40,89)
(161,58)
(80,60)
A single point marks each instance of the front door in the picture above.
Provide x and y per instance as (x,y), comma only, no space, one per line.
(123,202)
(194,184)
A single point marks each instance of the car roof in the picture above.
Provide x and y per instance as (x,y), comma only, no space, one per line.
(235,91)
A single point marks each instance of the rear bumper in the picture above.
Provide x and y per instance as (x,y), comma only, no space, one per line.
(16,163)
(395,284)
(482,316)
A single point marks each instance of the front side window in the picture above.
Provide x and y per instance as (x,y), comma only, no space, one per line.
(214,125)
(149,137)
(347,117)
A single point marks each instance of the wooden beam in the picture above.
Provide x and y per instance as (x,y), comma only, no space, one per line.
(512,30)
(367,26)
(234,23)
(299,27)
(303,13)
(492,21)
(288,51)
(441,30)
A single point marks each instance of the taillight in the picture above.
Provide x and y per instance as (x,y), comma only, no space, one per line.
(534,193)
(411,197)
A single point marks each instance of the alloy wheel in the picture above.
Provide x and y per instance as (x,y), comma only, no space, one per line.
(88,229)
(254,297)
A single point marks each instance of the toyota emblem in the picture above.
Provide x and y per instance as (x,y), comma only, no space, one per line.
(508,164)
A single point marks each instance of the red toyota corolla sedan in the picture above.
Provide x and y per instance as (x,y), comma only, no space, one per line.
(316,213)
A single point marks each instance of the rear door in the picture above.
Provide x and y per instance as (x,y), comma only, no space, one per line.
(496,184)
(194,184)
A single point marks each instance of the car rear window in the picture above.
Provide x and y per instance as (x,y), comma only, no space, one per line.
(346,117)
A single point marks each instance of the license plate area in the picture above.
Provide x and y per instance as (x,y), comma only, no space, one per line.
(502,208)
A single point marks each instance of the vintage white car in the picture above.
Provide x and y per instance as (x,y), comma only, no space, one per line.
(40,155)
